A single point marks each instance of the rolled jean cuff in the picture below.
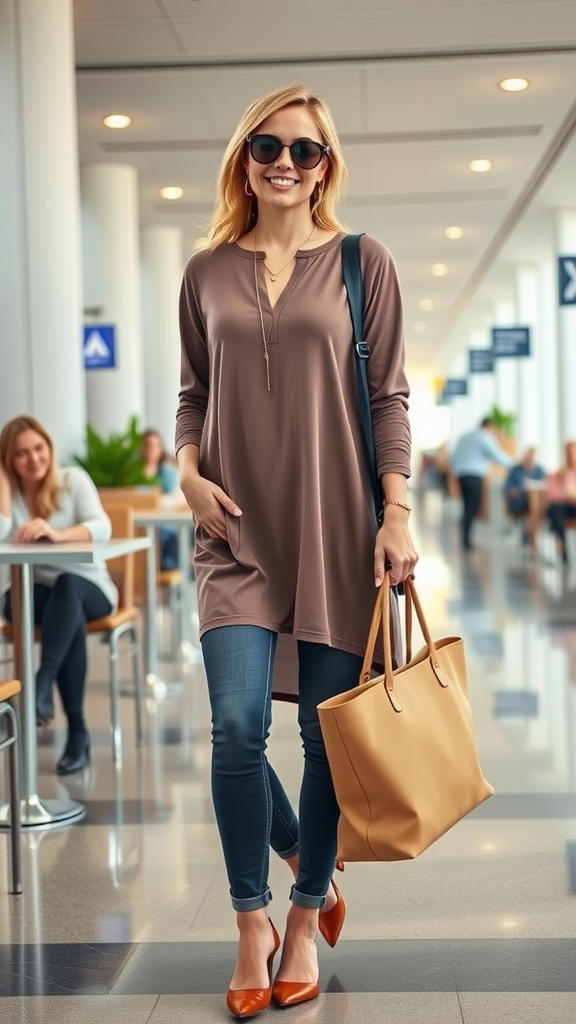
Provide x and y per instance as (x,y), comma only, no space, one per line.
(301,899)
(286,854)
(252,903)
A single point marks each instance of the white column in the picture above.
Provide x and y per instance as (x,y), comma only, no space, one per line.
(481,386)
(40,252)
(112,285)
(162,264)
(460,410)
(566,241)
(549,380)
(506,370)
(529,397)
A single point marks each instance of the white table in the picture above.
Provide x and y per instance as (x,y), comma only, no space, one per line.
(152,520)
(37,812)
(189,653)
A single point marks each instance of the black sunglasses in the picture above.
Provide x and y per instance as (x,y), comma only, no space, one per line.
(265,149)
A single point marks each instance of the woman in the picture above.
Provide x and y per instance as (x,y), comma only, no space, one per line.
(272,464)
(561,497)
(39,502)
(157,467)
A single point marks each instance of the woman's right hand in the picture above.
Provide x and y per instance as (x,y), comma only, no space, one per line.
(208,504)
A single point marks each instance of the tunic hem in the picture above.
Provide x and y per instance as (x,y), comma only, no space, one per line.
(277,627)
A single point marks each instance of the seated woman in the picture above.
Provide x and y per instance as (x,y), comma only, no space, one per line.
(561,495)
(158,467)
(39,502)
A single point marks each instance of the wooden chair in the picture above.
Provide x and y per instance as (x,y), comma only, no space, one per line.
(9,689)
(170,581)
(123,621)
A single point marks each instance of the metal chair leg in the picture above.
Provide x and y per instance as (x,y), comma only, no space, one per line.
(15,875)
(115,699)
(138,684)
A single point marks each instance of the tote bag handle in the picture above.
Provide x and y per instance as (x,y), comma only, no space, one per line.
(381,616)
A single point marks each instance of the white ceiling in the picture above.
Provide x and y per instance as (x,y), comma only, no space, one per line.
(412,85)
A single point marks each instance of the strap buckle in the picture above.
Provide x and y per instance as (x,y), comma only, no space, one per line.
(362,349)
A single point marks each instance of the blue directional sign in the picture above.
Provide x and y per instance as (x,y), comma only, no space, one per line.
(567,280)
(454,386)
(481,360)
(510,342)
(99,346)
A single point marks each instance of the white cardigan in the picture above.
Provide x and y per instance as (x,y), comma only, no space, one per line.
(79,503)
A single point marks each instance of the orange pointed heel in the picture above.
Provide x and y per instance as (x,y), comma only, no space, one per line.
(291,993)
(330,921)
(247,1002)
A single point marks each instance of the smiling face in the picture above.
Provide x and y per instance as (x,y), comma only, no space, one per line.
(32,458)
(282,183)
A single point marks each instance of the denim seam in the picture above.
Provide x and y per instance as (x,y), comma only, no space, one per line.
(264,772)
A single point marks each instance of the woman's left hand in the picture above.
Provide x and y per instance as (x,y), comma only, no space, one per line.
(394,546)
(36,529)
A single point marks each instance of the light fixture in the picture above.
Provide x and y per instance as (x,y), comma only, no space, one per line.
(419,327)
(117,120)
(513,84)
(480,166)
(426,305)
(172,192)
(439,269)
(488,847)
(454,232)
(508,923)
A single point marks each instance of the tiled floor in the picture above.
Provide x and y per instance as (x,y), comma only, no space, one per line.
(125,917)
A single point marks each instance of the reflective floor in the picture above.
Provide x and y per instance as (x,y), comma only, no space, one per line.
(125,917)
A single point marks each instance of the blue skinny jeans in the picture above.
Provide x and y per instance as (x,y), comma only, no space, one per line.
(253,812)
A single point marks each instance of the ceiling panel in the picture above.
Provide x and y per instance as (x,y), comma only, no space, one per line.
(408,126)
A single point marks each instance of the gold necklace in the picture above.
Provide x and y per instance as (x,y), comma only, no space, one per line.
(275,274)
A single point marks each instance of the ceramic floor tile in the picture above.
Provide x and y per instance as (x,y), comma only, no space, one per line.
(518,1007)
(72,1009)
(337,1008)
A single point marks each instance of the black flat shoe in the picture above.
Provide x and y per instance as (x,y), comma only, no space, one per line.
(76,754)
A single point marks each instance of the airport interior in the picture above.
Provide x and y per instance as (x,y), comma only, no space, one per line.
(457,123)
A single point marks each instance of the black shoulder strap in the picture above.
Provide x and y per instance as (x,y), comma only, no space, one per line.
(352,274)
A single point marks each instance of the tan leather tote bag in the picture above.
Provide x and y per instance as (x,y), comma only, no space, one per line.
(401,747)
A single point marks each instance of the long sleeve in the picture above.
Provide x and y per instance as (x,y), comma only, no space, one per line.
(383,331)
(194,365)
(5,527)
(88,509)
(495,453)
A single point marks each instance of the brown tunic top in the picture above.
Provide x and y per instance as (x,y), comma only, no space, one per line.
(299,561)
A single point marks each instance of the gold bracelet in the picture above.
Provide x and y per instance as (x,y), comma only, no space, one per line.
(400,504)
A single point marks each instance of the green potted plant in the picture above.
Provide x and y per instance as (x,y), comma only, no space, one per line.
(505,422)
(116,460)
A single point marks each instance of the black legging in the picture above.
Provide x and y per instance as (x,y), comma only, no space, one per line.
(471,490)
(558,513)
(62,612)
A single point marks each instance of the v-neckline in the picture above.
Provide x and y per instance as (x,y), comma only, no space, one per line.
(259,257)
(283,295)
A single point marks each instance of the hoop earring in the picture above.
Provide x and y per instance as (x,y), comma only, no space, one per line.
(246,187)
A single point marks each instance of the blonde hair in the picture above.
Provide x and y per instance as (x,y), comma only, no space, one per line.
(235,212)
(46,501)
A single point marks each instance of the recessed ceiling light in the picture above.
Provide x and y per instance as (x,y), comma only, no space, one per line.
(513,84)
(419,327)
(480,166)
(172,192)
(439,269)
(454,232)
(117,121)
(426,305)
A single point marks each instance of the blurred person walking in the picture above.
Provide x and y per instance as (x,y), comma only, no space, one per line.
(470,460)
(273,466)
